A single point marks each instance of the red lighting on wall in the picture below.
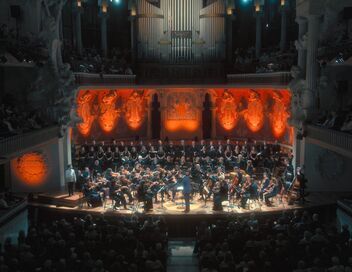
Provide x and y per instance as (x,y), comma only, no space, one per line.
(227,111)
(108,113)
(31,168)
(134,110)
(254,113)
(85,111)
(279,113)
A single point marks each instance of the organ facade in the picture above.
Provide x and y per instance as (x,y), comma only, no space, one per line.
(180,31)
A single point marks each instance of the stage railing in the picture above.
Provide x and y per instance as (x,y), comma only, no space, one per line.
(337,141)
(89,79)
(275,78)
(16,144)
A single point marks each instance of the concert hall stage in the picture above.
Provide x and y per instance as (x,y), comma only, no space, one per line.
(61,201)
(58,206)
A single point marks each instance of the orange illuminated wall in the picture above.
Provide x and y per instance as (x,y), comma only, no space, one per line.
(255,107)
(181,113)
(106,107)
(31,169)
(240,112)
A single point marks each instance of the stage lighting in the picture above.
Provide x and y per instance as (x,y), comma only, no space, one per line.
(116,1)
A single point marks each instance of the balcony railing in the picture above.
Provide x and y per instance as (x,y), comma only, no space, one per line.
(22,142)
(335,140)
(103,79)
(275,78)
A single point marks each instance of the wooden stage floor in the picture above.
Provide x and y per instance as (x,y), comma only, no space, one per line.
(61,202)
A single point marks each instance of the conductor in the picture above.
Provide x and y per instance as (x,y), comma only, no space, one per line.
(186,182)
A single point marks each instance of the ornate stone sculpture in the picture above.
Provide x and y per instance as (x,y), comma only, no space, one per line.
(227,111)
(54,89)
(134,110)
(297,87)
(278,115)
(108,113)
(254,114)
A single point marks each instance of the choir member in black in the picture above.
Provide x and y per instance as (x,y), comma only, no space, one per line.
(228,144)
(169,164)
(91,156)
(228,157)
(108,158)
(113,145)
(133,156)
(181,150)
(95,146)
(244,151)
(236,151)
(144,155)
(100,155)
(152,154)
(125,156)
(116,159)
(82,156)
(183,163)
(161,155)
(122,146)
(212,151)
(250,168)
(203,154)
(219,151)
(97,168)
(253,155)
(193,150)
(170,150)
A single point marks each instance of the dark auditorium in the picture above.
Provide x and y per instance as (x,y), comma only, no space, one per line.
(175,135)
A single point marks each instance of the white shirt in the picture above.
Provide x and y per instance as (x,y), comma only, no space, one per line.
(70,175)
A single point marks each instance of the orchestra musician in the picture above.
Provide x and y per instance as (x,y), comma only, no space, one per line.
(126,168)
(271,191)
(187,189)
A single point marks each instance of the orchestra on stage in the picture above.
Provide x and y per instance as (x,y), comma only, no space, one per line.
(133,173)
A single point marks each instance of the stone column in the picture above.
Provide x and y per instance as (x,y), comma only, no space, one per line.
(283,36)
(78,29)
(229,51)
(258,33)
(309,94)
(301,45)
(133,39)
(213,122)
(103,29)
(149,119)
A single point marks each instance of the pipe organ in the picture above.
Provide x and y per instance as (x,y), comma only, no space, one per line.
(180,31)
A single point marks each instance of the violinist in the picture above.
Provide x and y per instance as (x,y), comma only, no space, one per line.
(270,191)
(246,191)
(263,185)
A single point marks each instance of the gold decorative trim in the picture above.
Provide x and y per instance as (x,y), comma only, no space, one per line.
(212,15)
(151,15)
